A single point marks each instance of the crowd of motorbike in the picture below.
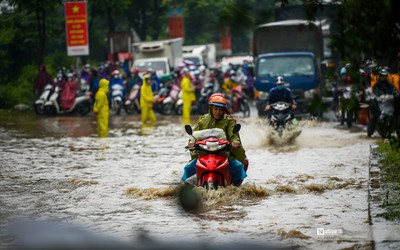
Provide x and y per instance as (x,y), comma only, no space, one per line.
(125,92)
(51,99)
(360,103)
(349,99)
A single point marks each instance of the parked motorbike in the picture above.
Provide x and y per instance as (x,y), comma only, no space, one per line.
(82,104)
(280,116)
(132,104)
(117,98)
(383,105)
(166,102)
(212,167)
(44,97)
(238,102)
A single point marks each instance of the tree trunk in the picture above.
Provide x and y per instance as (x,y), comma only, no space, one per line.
(41,22)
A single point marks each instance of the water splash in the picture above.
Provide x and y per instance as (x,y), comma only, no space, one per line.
(78,183)
(292,234)
(152,193)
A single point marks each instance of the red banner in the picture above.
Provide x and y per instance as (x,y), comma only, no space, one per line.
(225,40)
(175,23)
(76,28)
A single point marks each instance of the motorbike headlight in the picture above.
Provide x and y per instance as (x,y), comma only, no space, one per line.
(212,146)
(262,95)
(309,94)
(281,107)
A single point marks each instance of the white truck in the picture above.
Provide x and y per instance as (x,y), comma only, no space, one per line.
(201,54)
(160,56)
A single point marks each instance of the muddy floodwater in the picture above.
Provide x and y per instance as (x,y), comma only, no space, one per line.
(311,192)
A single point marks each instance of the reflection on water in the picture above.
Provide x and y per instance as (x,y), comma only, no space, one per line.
(56,167)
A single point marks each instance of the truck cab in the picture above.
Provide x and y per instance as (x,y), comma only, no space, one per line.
(160,65)
(159,56)
(200,54)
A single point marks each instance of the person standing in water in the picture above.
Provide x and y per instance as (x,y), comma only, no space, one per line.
(101,108)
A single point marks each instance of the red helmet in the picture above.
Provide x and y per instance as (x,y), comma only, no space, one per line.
(135,70)
(115,72)
(214,95)
(217,100)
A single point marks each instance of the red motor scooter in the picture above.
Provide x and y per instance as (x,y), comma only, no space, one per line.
(212,167)
(239,102)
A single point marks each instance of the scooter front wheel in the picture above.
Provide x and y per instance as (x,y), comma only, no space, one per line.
(179,109)
(384,128)
(84,108)
(211,185)
(244,107)
(131,109)
(39,109)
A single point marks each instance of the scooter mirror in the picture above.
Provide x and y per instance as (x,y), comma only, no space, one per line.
(188,129)
(236,128)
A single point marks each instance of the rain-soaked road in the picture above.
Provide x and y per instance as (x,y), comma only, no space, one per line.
(312,193)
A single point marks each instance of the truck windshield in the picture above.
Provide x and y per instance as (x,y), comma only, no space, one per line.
(194,60)
(285,66)
(155,66)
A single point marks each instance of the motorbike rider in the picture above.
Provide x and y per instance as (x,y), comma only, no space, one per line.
(101,108)
(117,80)
(135,79)
(382,87)
(216,78)
(198,82)
(68,93)
(238,153)
(60,83)
(217,118)
(280,94)
(86,73)
(395,79)
(230,82)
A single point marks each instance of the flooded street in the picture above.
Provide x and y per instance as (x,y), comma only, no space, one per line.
(312,193)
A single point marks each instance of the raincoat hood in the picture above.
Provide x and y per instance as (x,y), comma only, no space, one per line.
(103,85)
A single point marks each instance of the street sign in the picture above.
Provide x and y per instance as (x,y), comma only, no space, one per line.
(76,29)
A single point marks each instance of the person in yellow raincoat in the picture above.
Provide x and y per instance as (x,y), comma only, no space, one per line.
(147,101)
(188,96)
(230,82)
(101,108)
(395,79)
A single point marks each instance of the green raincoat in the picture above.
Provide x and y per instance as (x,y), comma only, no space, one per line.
(226,123)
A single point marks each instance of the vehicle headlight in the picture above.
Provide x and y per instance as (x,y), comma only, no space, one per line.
(212,146)
(309,94)
(262,95)
(281,107)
